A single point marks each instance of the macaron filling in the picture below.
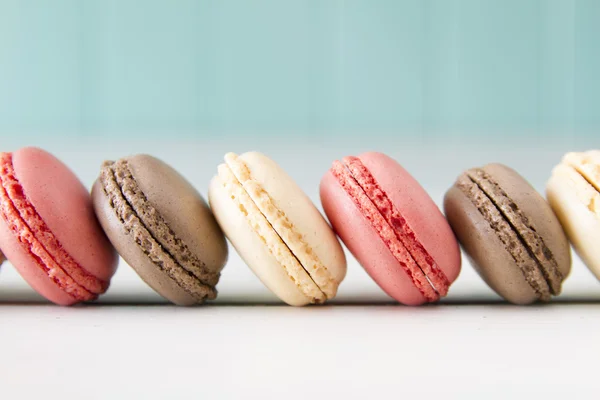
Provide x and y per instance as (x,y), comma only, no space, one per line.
(587,166)
(386,232)
(521,224)
(43,247)
(274,243)
(284,228)
(159,228)
(401,227)
(520,238)
(151,233)
(585,192)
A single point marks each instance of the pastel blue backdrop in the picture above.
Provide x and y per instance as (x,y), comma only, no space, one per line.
(309,66)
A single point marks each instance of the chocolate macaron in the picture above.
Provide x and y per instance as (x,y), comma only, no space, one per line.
(162,228)
(509,232)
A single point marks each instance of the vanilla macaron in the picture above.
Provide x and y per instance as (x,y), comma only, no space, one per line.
(276,229)
(573,192)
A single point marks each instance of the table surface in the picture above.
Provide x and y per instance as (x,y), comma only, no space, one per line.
(131,344)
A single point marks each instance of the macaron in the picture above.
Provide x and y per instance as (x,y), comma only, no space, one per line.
(48,229)
(392,226)
(509,232)
(573,192)
(162,227)
(276,229)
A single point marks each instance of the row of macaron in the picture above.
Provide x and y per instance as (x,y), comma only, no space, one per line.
(65,241)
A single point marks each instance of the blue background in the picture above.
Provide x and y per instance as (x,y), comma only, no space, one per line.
(400,67)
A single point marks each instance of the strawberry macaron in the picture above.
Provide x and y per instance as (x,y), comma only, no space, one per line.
(392,227)
(48,229)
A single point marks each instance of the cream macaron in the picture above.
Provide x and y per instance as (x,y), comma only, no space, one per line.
(276,229)
(573,192)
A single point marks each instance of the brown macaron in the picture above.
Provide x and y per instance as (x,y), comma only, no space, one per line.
(162,228)
(509,232)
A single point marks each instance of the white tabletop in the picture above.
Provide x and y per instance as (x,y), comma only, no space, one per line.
(247,345)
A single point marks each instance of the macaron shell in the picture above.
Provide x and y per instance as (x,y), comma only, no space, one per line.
(487,253)
(182,208)
(571,197)
(300,211)
(365,244)
(35,276)
(250,247)
(65,206)
(536,208)
(131,252)
(419,210)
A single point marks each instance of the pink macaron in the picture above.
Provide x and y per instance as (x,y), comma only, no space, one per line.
(392,227)
(48,229)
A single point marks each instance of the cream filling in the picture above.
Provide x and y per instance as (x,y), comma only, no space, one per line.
(268,235)
(283,226)
(582,173)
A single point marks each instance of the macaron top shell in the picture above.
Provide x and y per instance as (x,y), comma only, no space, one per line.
(485,251)
(540,216)
(267,256)
(365,244)
(178,203)
(295,214)
(64,205)
(418,208)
